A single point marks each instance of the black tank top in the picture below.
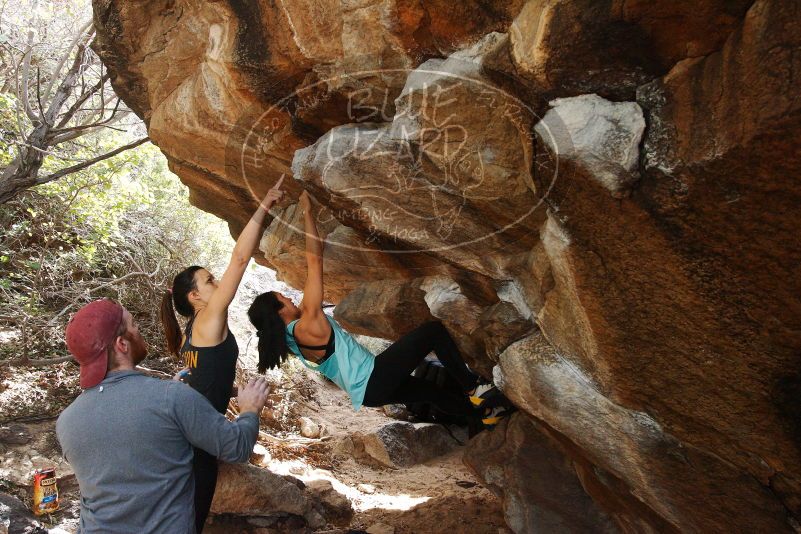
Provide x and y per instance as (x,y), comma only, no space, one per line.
(212,369)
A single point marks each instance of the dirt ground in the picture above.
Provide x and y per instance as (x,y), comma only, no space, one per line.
(441,495)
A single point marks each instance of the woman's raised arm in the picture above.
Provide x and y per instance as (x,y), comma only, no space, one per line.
(215,315)
(314,320)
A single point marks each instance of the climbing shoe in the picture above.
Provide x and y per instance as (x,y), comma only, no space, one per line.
(484,391)
(493,416)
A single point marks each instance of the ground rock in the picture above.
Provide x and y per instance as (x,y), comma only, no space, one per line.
(308,428)
(402,444)
(244,489)
(396,411)
(17,465)
(259,455)
(536,479)
(15,434)
(338,510)
(380,528)
(366,488)
(15,518)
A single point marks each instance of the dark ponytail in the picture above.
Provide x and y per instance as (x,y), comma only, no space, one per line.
(263,314)
(183,283)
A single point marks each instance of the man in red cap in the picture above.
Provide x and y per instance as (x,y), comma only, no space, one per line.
(129,437)
(96,332)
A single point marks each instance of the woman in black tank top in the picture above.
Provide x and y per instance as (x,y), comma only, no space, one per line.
(211,369)
(207,348)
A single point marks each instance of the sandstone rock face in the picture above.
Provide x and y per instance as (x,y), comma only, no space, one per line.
(597,198)
(550,387)
(611,47)
(601,136)
(384,308)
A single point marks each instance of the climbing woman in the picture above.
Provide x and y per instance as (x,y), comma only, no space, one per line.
(207,346)
(321,344)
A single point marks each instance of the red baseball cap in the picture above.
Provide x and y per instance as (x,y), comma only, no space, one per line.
(89,333)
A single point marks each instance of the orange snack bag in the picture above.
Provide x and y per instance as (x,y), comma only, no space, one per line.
(45,491)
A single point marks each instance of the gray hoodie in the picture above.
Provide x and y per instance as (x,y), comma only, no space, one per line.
(129,440)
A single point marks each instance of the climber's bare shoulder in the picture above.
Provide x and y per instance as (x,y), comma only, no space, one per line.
(313,327)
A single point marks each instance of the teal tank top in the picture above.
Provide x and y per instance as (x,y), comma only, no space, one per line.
(349,367)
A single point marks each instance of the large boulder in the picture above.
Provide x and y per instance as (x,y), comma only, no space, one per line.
(598,196)
(442,179)
(659,300)
(230,90)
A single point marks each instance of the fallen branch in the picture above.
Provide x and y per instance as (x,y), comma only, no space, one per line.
(153,372)
(34,363)
(295,441)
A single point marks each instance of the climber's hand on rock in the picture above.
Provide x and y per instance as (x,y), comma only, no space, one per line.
(253,396)
(305,202)
(273,195)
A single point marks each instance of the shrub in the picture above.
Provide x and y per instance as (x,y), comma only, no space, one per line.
(120,229)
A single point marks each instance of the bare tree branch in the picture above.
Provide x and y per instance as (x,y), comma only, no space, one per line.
(18,114)
(82,130)
(57,71)
(65,87)
(61,92)
(87,163)
(38,92)
(22,93)
(116,281)
(56,133)
(80,189)
(83,98)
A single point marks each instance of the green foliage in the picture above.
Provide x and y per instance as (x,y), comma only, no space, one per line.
(74,240)
(7,128)
(120,228)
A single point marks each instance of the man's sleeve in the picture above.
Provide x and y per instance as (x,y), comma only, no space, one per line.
(207,429)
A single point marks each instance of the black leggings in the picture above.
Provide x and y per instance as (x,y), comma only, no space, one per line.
(204,466)
(391,381)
